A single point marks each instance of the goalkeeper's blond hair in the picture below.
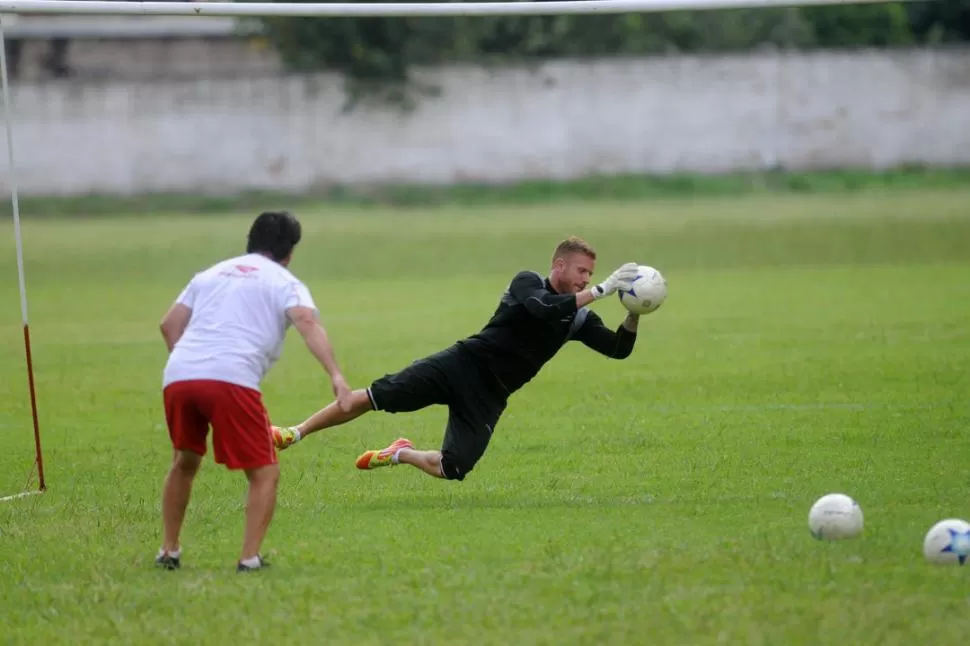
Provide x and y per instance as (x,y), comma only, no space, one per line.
(571,245)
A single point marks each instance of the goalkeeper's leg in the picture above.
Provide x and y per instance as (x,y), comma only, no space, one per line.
(425,382)
(402,451)
(466,438)
(427,461)
(330,416)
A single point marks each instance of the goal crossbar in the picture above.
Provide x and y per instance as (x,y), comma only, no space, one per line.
(309,10)
(391,9)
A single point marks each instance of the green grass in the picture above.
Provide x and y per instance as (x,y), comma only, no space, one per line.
(810,343)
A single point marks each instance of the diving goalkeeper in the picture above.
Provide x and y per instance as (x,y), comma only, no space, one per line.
(475,376)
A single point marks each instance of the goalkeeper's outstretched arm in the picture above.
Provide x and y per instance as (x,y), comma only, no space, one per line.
(529,289)
(615,344)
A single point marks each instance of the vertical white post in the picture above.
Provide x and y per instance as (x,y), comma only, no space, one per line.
(15,202)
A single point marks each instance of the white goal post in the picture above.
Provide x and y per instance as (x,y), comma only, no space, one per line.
(391,9)
(312,9)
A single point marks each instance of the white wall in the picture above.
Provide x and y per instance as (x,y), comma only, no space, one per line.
(563,120)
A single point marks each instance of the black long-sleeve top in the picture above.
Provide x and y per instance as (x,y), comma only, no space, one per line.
(530,325)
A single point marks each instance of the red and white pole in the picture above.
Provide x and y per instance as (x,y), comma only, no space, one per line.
(15,200)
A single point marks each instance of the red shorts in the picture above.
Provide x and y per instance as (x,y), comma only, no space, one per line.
(241,434)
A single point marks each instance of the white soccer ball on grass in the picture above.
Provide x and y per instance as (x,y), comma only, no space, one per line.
(648,292)
(834,517)
(948,542)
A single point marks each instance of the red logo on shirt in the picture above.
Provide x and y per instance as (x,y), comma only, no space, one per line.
(246,268)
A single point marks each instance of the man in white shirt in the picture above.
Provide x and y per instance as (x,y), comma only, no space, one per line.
(224,332)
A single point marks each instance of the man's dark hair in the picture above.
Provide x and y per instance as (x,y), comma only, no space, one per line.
(275,233)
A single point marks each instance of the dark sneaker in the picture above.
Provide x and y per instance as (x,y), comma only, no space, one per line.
(168,562)
(252,568)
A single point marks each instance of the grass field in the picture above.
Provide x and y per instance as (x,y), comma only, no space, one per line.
(810,343)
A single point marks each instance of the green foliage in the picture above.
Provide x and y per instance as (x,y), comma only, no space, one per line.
(935,21)
(377,55)
(859,25)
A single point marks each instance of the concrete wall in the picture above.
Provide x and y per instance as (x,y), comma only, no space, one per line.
(867,109)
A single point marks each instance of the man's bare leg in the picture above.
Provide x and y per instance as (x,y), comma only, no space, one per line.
(175,499)
(260,506)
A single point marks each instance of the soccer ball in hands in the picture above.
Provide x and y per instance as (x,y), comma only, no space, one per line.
(648,292)
(835,516)
(948,542)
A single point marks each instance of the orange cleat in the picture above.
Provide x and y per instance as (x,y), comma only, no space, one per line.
(384,457)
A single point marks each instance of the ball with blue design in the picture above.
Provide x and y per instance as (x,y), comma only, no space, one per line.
(948,542)
(834,517)
(647,293)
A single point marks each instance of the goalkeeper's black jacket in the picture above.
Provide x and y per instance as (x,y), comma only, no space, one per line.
(530,325)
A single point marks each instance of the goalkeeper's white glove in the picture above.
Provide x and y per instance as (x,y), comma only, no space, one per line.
(622,278)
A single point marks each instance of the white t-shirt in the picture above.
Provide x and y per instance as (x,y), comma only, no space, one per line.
(238,321)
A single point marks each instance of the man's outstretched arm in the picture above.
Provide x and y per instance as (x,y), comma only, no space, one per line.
(305,321)
(616,344)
